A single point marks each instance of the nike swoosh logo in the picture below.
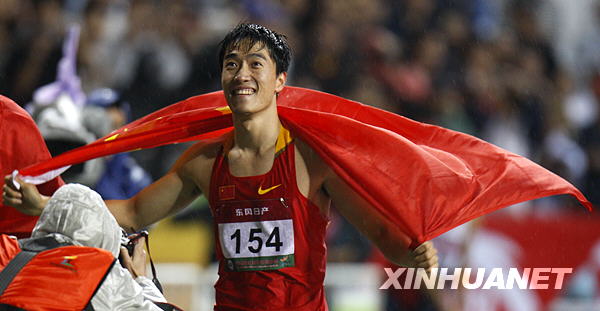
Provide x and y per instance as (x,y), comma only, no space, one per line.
(263,191)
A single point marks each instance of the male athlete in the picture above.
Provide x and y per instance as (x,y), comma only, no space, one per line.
(269,192)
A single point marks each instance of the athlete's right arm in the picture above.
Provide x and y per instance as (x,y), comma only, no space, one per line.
(171,193)
(167,195)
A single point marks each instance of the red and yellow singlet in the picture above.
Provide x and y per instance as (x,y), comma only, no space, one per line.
(270,239)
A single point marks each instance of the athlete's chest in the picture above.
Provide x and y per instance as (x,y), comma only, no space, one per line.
(254,215)
(274,177)
(288,167)
(244,164)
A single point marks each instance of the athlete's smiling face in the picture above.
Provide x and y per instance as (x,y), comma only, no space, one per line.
(249,78)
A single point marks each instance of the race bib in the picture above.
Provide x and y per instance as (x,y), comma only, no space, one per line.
(256,235)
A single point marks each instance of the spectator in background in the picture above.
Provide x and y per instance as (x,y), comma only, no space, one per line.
(58,110)
(68,119)
(122,177)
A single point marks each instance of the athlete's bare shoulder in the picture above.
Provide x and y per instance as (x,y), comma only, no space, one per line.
(197,161)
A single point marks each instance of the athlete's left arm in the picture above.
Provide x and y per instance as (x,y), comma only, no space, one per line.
(381,231)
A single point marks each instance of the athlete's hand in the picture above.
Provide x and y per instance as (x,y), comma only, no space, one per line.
(136,264)
(424,256)
(26,200)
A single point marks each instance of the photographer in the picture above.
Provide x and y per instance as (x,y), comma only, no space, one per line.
(76,233)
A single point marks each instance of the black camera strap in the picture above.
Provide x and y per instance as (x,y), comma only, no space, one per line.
(154,278)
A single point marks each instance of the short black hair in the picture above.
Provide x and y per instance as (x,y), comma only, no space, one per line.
(276,43)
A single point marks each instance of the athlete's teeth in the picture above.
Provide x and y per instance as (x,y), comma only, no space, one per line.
(244,91)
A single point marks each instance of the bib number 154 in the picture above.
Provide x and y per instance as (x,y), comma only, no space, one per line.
(257,239)
(256,235)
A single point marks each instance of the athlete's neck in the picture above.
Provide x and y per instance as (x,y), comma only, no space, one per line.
(257,132)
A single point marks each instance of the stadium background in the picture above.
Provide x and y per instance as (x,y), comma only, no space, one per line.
(524,75)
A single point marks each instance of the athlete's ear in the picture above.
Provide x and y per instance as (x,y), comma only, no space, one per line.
(280,82)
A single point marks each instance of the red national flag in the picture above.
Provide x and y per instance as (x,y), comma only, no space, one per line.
(227,192)
(425,179)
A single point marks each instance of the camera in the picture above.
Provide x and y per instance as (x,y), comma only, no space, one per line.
(128,240)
